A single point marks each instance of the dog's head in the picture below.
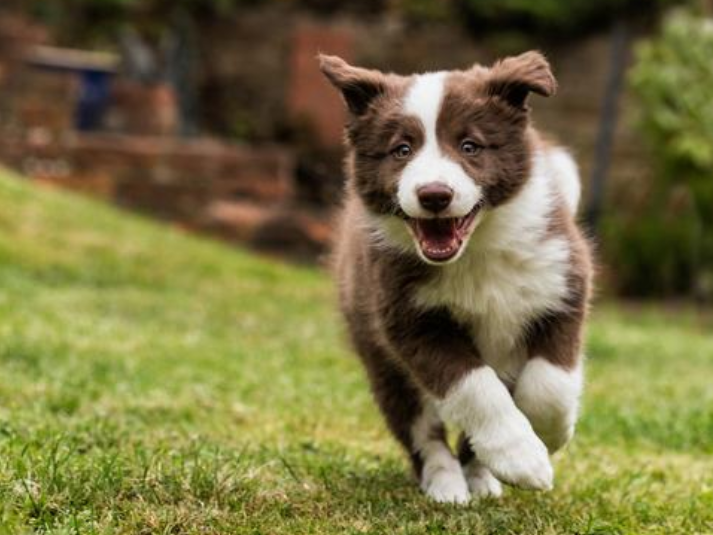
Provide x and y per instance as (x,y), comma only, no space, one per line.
(438,150)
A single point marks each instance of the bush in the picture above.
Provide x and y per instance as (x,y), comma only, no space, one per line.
(669,247)
(565,17)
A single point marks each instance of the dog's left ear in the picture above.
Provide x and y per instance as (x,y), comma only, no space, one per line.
(515,77)
(358,86)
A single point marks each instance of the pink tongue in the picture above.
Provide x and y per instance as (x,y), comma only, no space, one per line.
(437,235)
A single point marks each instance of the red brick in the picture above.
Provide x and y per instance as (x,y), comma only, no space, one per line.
(312,103)
(236,220)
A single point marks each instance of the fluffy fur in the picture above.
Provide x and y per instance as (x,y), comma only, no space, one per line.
(467,308)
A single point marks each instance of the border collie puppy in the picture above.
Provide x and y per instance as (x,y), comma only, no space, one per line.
(462,275)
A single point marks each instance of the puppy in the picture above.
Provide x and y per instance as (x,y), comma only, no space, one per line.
(462,275)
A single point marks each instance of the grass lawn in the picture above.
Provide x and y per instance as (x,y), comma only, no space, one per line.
(152,382)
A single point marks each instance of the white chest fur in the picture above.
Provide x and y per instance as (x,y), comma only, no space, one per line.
(513,270)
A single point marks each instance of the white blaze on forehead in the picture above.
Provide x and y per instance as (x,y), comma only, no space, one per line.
(424,100)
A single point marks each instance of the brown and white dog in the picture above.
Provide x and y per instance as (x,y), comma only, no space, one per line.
(462,275)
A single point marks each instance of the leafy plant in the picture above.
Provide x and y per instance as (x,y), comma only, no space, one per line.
(553,15)
(672,78)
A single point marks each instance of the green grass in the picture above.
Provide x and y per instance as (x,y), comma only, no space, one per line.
(152,382)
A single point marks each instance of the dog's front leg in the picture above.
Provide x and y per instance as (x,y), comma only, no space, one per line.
(440,355)
(548,395)
(550,385)
(499,434)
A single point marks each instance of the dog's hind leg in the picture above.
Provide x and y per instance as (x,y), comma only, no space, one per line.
(414,422)
(481,481)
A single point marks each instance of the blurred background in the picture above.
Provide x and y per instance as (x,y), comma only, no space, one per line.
(157,375)
(212,114)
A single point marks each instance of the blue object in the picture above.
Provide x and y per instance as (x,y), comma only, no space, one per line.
(93,101)
(94,72)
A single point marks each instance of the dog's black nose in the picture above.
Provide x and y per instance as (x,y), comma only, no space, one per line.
(434,197)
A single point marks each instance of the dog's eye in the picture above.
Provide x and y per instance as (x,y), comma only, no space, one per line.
(401,152)
(470,148)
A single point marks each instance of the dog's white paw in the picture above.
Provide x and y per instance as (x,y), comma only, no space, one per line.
(522,461)
(446,486)
(499,434)
(481,481)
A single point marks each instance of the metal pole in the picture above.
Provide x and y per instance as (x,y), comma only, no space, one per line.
(607,126)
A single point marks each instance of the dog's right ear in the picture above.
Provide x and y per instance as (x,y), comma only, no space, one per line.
(358,86)
(514,78)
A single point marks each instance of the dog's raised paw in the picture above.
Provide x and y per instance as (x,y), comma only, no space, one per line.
(481,482)
(523,463)
(446,486)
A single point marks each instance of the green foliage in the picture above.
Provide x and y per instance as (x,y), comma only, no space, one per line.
(673,77)
(97,22)
(519,15)
(426,10)
(650,254)
(668,248)
(153,382)
(553,15)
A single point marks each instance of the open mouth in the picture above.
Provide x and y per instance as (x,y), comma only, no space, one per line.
(441,238)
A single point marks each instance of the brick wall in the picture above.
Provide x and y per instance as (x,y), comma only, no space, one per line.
(311,101)
(238,192)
